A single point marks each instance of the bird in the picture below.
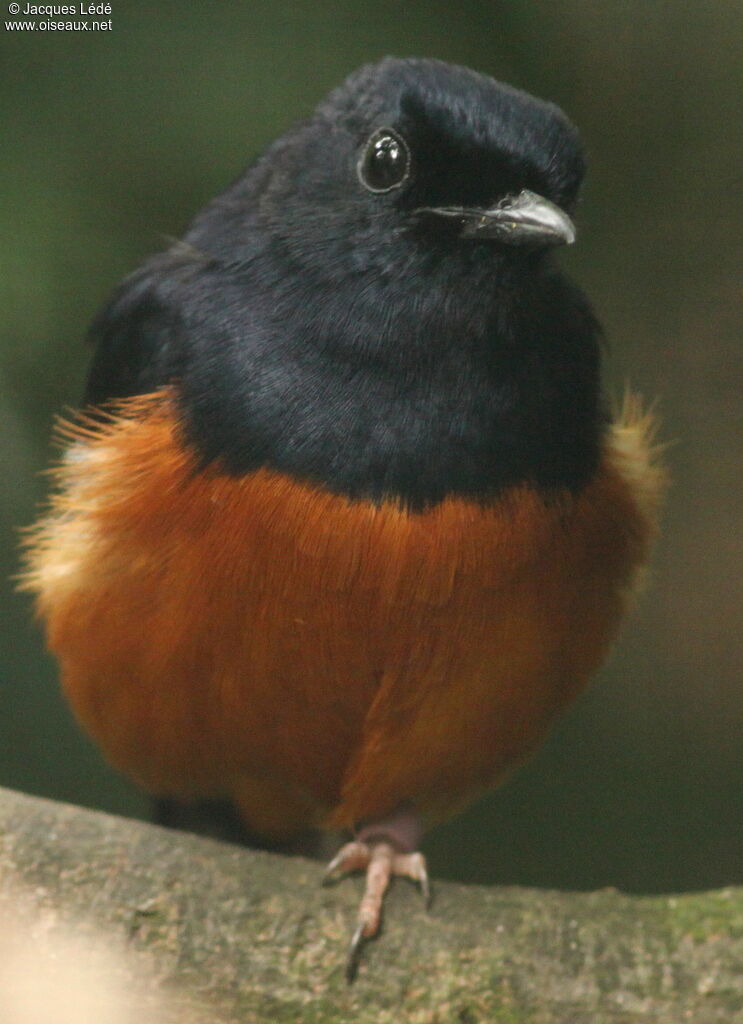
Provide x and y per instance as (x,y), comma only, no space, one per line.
(345,519)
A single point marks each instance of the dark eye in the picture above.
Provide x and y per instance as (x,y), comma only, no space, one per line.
(385,162)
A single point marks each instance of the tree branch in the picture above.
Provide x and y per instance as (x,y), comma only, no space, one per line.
(205,932)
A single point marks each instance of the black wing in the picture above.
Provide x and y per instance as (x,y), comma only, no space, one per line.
(138,335)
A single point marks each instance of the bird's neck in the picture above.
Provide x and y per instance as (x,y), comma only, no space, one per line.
(378,393)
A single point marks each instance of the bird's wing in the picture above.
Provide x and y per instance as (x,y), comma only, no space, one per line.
(138,335)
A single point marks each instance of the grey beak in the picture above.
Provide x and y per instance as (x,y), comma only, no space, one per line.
(526,219)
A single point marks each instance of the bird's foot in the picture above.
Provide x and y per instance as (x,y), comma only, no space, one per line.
(382,860)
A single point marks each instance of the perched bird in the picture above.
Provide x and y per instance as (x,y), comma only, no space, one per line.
(345,522)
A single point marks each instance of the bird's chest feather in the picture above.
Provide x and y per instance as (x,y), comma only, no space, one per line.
(214,627)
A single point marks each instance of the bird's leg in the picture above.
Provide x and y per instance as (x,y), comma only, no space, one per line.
(383,849)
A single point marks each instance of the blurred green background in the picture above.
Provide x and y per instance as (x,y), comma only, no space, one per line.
(111,142)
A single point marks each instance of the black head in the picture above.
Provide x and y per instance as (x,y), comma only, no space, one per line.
(418,157)
(447,142)
(371,305)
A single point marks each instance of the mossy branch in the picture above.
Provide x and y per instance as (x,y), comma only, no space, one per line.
(205,932)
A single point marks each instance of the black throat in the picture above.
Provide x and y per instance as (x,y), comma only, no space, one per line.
(449,379)
(408,388)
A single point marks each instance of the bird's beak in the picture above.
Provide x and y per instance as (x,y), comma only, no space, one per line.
(525,219)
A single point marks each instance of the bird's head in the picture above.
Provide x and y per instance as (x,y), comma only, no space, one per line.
(412,159)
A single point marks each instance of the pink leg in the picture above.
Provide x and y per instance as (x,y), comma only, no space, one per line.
(383,849)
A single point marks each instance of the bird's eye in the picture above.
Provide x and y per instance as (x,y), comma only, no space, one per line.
(385,161)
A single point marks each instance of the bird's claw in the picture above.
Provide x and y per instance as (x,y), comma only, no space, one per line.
(418,872)
(354,856)
(354,951)
(381,861)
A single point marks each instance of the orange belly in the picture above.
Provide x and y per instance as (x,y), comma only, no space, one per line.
(320,660)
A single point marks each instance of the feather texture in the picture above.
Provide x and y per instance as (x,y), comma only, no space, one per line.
(318,659)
